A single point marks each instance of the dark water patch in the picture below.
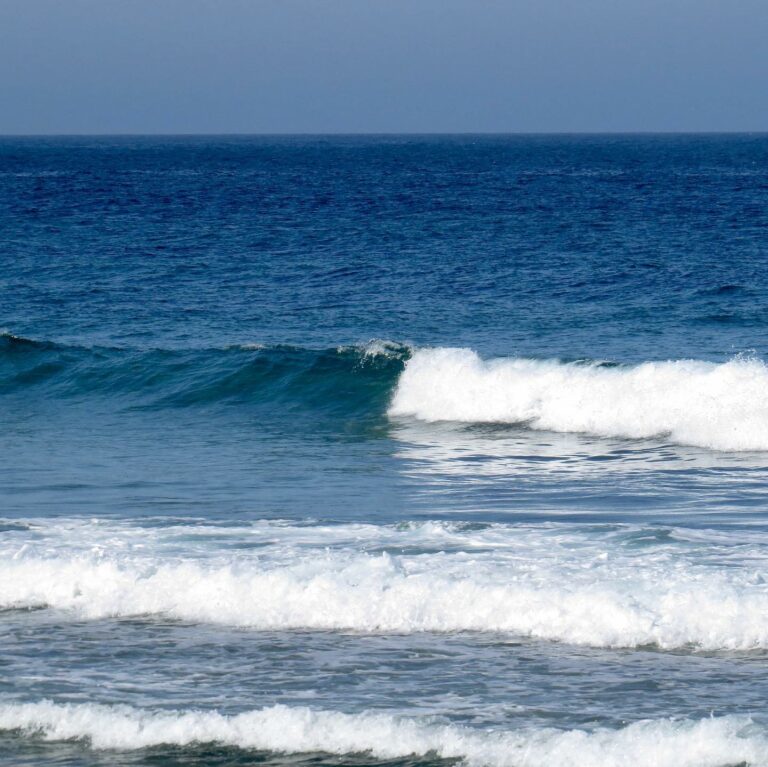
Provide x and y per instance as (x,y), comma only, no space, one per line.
(725,290)
(6,526)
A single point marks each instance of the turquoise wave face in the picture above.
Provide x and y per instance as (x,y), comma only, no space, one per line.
(349,380)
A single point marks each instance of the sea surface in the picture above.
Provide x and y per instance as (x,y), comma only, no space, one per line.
(384,451)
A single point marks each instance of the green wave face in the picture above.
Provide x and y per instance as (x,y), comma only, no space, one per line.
(345,381)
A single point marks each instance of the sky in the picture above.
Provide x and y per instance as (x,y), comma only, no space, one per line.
(382,66)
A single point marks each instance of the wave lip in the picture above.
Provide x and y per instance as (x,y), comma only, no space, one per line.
(710,742)
(718,406)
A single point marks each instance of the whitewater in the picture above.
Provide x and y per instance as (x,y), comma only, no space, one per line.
(721,406)
(715,742)
(616,587)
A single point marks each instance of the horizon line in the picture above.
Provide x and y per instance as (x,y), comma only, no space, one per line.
(363,134)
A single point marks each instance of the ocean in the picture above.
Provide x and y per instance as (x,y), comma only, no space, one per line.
(384,451)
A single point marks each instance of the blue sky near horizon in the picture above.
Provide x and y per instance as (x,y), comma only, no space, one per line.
(348,66)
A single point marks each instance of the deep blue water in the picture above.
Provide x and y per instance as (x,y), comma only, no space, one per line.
(448,447)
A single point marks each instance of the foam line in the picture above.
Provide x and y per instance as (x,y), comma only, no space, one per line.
(711,742)
(589,601)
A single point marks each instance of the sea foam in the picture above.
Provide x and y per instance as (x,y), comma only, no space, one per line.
(653,743)
(553,583)
(718,406)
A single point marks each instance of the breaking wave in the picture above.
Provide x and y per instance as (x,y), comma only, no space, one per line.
(624,587)
(713,742)
(718,406)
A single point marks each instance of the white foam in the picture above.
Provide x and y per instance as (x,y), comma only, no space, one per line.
(719,406)
(711,742)
(550,582)
(377,347)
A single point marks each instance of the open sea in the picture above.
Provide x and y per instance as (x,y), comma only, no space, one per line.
(384,451)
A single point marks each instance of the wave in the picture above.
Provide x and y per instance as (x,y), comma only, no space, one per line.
(349,380)
(718,406)
(709,742)
(619,588)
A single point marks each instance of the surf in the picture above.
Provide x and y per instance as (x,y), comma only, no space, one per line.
(716,406)
(717,741)
(611,587)
(720,406)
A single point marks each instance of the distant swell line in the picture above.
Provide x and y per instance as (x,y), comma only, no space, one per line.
(714,742)
(718,406)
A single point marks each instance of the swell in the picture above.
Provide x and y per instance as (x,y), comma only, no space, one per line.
(713,742)
(349,380)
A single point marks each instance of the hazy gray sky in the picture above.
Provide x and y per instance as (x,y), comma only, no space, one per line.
(255,66)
